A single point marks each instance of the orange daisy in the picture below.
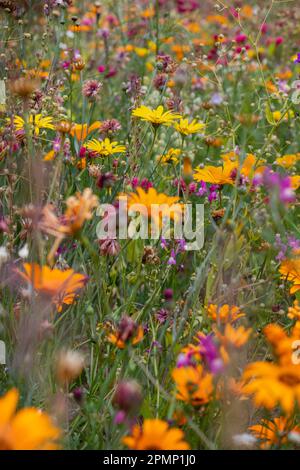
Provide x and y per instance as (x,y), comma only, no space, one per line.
(290,270)
(26,429)
(60,286)
(155,434)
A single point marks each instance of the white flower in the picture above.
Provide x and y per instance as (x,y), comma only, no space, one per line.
(24,252)
(294,437)
(244,440)
(4,255)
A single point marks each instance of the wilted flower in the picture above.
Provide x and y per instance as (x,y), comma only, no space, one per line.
(110,126)
(69,366)
(128,396)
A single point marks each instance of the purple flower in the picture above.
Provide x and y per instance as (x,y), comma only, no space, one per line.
(216,99)
(212,196)
(297,61)
(203,189)
(181,246)
(162,315)
(164,243)
(172,259)
(134,182)
(282,184)
(184,360)
(210,354)
(57,143)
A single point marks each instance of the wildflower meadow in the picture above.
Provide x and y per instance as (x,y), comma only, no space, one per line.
(149,225)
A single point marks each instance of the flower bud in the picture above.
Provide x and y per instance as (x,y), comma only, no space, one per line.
(128,396)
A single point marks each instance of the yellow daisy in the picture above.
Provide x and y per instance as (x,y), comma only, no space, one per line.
(36,121)
(156,116)
(105,147)
(186,128)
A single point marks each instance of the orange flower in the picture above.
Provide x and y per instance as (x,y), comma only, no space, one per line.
(193,385)
(144,202)
(290,270)
(273,432)
(234,337)
(246,167)
(81,131)
(27,429)
(60,286)
(127,331)
(224,313)
(295,182)
(294,311)
(273,384)
(79,209)
(155,434)
(281,342)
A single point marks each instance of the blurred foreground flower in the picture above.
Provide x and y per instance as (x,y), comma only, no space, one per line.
(224,313)
(273,384)
(156,434)
(274,432)
(27,429)
(60,287)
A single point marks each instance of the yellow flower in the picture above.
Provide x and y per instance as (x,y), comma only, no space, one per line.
(59,286)
(290,270)
(155,434)
(273,384)
(278,116)
(36,121)
(27,429)
(288,160)
(170,156)
(141,51)
(216,174)
(193,384)
(186,128)
(156,116)
(105,147)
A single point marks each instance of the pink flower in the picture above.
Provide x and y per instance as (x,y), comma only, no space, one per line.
(241,38)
